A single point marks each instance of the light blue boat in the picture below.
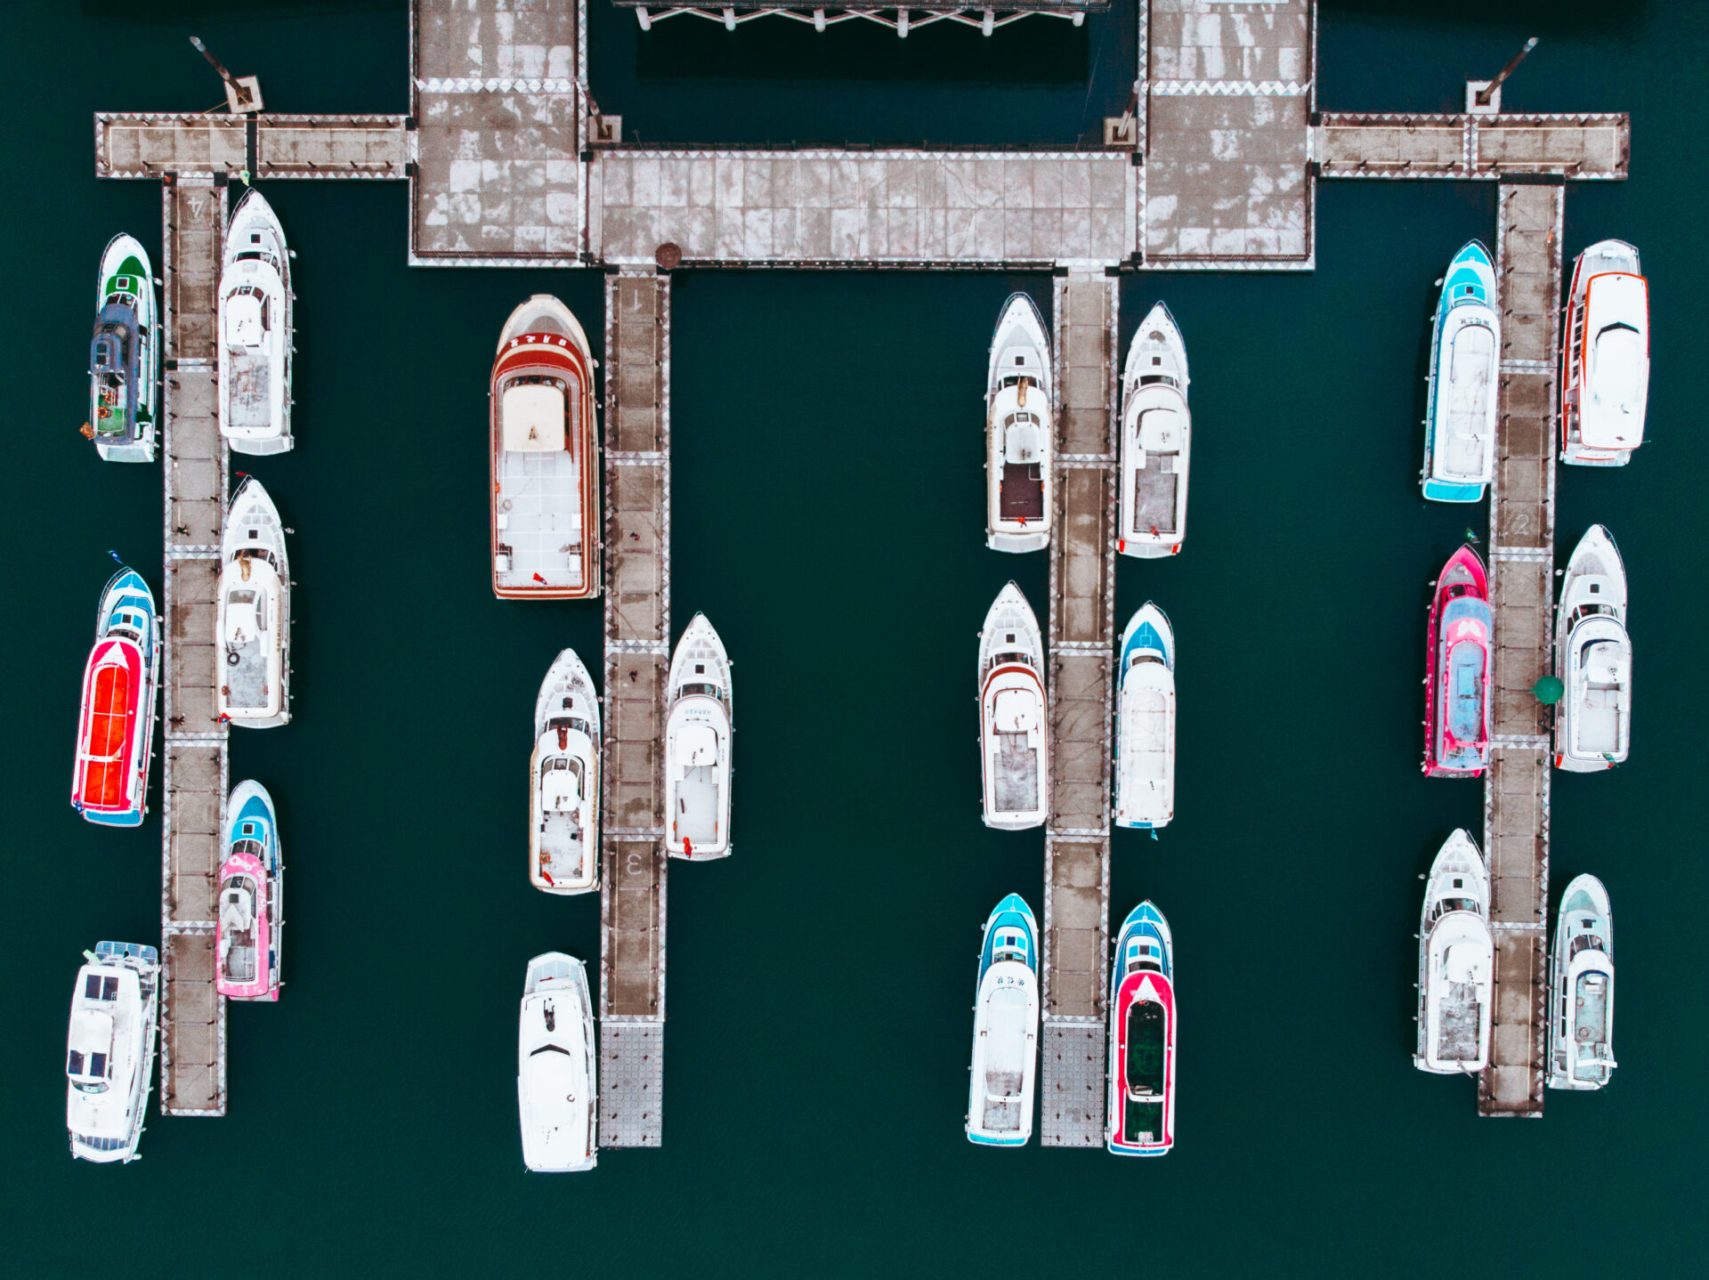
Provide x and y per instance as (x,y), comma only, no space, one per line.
(1145,722)
(1005,1029)
(1465,357)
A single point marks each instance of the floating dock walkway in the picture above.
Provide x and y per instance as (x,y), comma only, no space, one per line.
(637,659)
(1213,165)
(1522,564)
(194,779)
(1082,600)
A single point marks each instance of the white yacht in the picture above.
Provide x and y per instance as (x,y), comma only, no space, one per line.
(563,777)
(556,1075)
(697,745)
(1157,432)
(1605,358)
(1581,989)
(109,1060)
(1018,430)
(253,619)
(1456,962)
(1005,1029)
(1014,718)
(1593,658)
(256,331)
(1145,722)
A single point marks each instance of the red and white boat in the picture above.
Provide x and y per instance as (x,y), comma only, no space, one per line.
(1141,1117)
(545,464)
(1014,715)
(115,729)
(1605,360)
(1459,650)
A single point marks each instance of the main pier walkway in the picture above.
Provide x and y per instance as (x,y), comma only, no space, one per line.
(1082,598)
(637,655)
(194,778)
(1214,164)
(1522,561)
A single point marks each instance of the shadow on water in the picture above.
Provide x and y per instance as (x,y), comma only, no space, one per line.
(1550,15)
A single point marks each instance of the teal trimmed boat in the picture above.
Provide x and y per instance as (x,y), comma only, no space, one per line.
(1465,354)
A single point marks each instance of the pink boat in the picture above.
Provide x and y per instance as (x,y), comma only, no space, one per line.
(1456,689)
(248,931)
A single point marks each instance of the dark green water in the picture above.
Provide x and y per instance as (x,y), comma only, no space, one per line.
(820,980)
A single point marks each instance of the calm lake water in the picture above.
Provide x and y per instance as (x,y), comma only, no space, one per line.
(827,516)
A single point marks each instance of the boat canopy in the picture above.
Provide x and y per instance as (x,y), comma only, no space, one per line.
(698,745)
(246,318)
(1160,429)
(1617,362)
(533,416)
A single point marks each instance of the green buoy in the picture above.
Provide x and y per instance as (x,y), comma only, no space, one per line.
(1549,690)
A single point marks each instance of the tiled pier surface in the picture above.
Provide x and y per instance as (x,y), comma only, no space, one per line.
(498,88)
(1082,595)
(1522,536)
(193,782)
(1228,91)
(1472,146)
(637,654)
(851,208)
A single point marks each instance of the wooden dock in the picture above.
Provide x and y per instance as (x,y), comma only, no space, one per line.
(1498,146)
(1082,599)
(1522,561)
(194,780)
(637,657)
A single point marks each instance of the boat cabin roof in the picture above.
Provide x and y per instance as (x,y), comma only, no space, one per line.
(533,417)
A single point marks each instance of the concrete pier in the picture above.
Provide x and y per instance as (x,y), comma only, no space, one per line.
(194,779)
(1075,947)
(1522,538)
(637,656)
(1495,146)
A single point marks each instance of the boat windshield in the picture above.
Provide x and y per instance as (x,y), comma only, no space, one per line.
(88,1073)
(701,690)
(549,1048)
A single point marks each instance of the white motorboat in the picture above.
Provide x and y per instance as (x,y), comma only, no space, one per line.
(556,1076)
(1014,717)
(1456,962)
(1157,432)
(1018,430)
(1593,658)
(256,333)
(563,826)
(1004,1071)
(109,1060)
(697,745)
(1605,359)
(252,625)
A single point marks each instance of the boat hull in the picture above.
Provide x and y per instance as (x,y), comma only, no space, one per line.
(1003,1072)
(124,365)
(1459,644)
(121,687)
(1465,354)
(1140,1120)
(699,719)
(1156,441)
(544,513)
(556,1073)
(1019,431)
(564,781)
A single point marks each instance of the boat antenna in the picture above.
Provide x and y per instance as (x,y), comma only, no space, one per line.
(1486,95)
(242,93)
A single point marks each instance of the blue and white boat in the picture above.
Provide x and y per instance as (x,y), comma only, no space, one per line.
(1141,1116)
(1581,988)
(1005,1029)
(1465,352)
(1145,722)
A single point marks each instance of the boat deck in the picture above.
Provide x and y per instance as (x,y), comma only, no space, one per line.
(194,782)
(1020,496)
(1154,493)
(1016,774)
(637,654)
(540,518)
(1522,532)
(1082,596)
